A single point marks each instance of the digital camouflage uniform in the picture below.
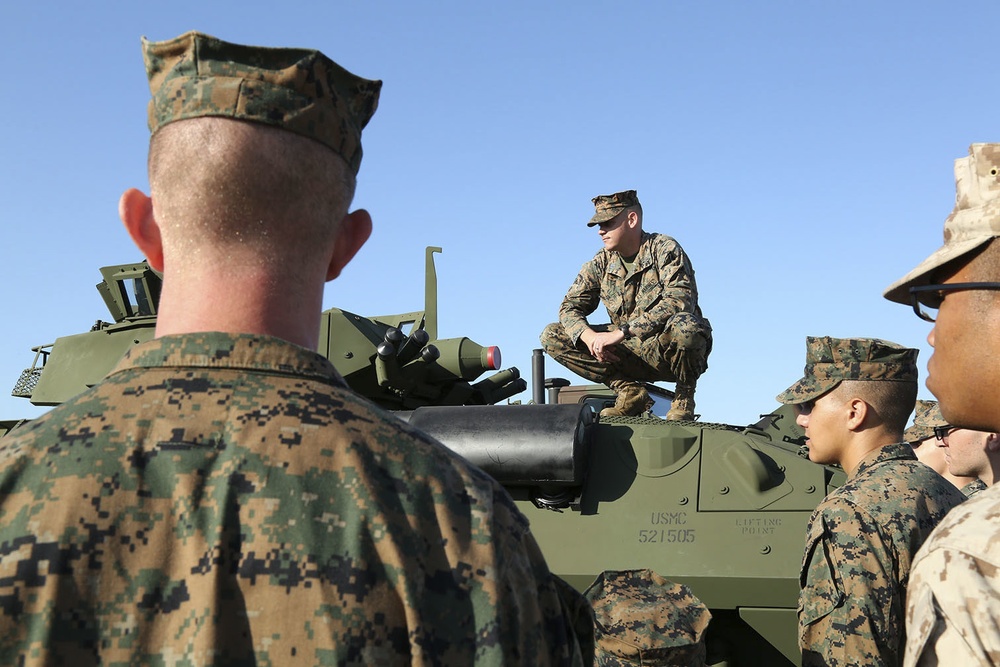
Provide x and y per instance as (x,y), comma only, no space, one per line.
(955,586)
(644,619)
(862,537)
(226,499)
(669,338)
(861,541)
(974,488)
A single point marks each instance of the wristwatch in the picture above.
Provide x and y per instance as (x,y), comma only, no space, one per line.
(626,331)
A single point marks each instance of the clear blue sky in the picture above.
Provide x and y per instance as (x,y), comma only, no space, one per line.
(801,152)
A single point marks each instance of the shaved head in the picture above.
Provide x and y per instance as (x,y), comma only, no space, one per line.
(892,401)
(207,201)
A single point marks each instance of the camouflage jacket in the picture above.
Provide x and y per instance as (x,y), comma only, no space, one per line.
(954,599)
(225,500)
(974,488)
(861,541)
(661,284)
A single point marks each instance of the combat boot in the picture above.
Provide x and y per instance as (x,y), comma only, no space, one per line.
(682,407)
(631,399)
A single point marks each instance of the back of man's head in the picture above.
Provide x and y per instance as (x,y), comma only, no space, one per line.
(246,192)
(253,157)
(254,150)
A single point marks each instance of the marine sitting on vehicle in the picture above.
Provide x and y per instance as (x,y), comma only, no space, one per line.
(657,331)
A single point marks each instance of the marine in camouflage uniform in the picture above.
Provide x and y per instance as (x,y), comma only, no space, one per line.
(971,452)
(224,498)
(657,331)
(970,456)
(954,600)
(862,537)
(920,435)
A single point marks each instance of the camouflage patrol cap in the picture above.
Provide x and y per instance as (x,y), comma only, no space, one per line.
(926,416)
(973,222)
(643,619)
(608,206)
(829,361)
(298,90)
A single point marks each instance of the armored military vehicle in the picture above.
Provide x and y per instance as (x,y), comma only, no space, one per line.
(719,508)
(396,370)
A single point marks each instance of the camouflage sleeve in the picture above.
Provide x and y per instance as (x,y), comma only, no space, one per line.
(953,599)
(540,616)
(580,616)
(673,291)
(583,297)
(850,606)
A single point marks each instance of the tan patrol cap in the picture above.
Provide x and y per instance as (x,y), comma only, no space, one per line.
(973,222)
(608,206)
(299,90)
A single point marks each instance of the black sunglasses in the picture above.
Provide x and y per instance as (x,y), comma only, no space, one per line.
(942,432)
(932,295)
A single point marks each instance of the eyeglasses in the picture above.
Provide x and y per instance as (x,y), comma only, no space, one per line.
(931,296)
(942,432)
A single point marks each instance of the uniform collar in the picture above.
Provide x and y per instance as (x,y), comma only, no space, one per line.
(214,349)
(898,451)
(643,258)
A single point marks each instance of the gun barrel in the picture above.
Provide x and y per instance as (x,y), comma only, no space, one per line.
(501,378)
(508,390)
(464,359)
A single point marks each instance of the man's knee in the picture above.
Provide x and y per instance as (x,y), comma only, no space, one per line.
(688,331)
(681,352)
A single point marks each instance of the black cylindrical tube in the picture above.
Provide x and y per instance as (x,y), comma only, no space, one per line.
(538,377)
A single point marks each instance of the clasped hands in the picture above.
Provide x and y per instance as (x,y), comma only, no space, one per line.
(602,344)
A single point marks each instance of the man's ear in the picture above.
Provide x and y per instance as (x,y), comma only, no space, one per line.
(354,230)
(136,211)
(993,442)
(856,411)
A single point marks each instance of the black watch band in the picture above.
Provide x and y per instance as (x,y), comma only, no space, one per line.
(626,330)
